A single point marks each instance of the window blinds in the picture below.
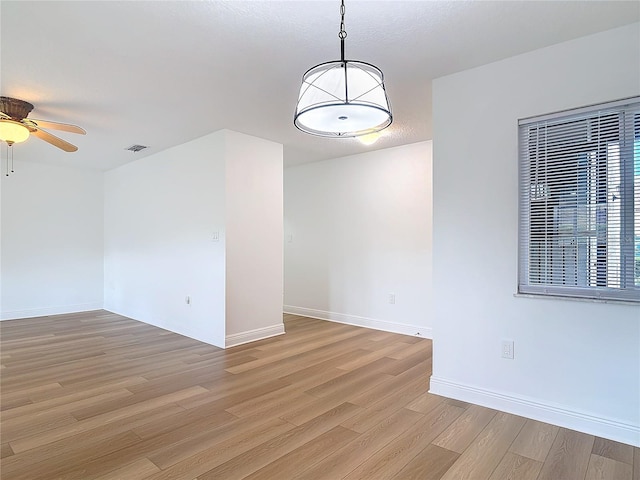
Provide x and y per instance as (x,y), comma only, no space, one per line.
(579,229)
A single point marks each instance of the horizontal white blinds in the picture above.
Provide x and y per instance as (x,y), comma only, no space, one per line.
(579,233)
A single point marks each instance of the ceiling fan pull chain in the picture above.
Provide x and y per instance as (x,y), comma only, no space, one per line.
(6,158)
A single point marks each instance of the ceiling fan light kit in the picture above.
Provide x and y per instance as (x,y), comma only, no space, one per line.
(15,127)
(342,98)
(12,131)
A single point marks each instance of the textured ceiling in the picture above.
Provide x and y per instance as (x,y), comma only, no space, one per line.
(163,73)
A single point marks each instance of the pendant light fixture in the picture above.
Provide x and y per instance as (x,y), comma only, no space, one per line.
(342,98)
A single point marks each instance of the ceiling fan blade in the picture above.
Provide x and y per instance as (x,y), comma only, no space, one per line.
(53,140)
(65,127)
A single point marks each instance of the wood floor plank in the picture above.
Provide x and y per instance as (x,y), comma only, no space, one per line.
(465,429)
(208,459)
(420,346)
(425,403)
(430,464)
(270,399)
(66,403)
(402,365)
(320,364)
(516,467)
(225,436)
(417,371)
(314,451)
(184,440)
(369,356)
(535,440)
(143,392)
(394,456)
(613,450)
(258,457)
(141,468)
(28,425)
(5,450)
(636,463)
(353,380)
(276,406)
(53,467)
(569,456)
(234,392)
(56,455)
(602,468)
(179,419)
(457,403)
(16,402)
(45,391)
(299,348)
(302,413)
(377,411)
(348,458)
(99,420)
(485,453)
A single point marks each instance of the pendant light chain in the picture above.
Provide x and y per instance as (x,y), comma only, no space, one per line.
(343,33)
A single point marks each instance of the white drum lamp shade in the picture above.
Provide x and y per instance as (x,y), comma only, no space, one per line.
(342,98)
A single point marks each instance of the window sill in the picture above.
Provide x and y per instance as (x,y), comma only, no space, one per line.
(576,299)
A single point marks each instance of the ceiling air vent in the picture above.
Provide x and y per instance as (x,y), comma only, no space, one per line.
(136,148)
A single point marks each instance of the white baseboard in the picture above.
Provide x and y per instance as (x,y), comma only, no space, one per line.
(392,327)
(529,408)
(42,312)
(253,335)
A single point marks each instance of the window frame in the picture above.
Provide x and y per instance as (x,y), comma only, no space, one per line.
(529,191)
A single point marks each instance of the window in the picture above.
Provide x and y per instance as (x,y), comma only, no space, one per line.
(579,231)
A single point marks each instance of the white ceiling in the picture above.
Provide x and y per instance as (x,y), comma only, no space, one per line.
(165,72)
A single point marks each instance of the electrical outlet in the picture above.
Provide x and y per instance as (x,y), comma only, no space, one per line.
(392,298)
(187,300)
(507,349)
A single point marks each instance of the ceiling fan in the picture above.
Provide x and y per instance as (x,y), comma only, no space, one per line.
(16,127)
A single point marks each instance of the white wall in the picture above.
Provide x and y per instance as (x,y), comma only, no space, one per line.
(254,254)
(357,229)
(161,213)
(576,364)
(51,241)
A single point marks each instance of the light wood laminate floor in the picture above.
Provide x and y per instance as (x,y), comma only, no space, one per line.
(99,396)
